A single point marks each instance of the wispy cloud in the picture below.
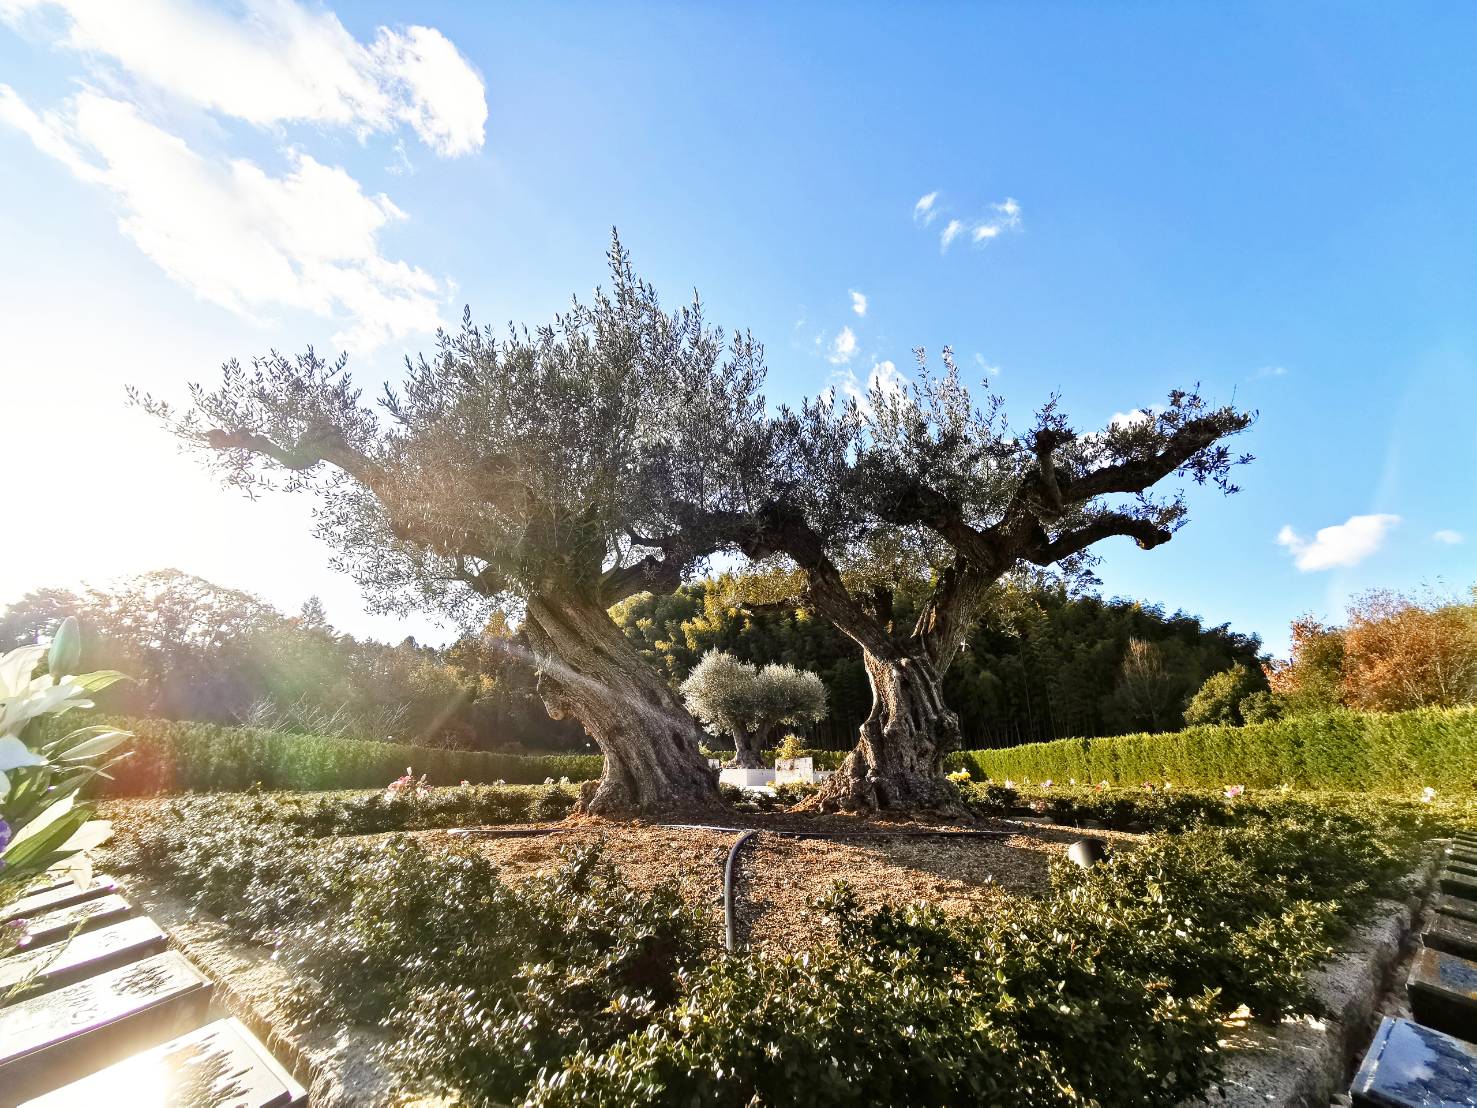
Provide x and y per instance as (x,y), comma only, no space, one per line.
(1130,419)
(858,302)
(1344,544)
(843,347)
(985,367)
(236,235)
(282,62)
(925,211)
(1271,371)
(1005,216)
(884,376)
(1447,537)
(249,238)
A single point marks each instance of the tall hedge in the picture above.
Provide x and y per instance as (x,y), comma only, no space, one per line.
(175,756)
(1361,751)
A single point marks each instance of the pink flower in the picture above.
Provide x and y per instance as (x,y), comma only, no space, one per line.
(1233,791)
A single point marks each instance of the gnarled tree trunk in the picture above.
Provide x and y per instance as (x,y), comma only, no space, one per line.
(748,748)
(589,670)
(898,762)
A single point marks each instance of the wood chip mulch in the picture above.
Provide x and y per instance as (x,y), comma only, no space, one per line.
(781,877)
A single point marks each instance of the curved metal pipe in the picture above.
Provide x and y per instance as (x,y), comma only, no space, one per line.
(730,868)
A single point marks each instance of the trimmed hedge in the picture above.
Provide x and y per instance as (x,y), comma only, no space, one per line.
(1356,751)
(174,756)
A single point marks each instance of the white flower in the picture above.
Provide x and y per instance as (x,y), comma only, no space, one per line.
(1428,794)
(15,754)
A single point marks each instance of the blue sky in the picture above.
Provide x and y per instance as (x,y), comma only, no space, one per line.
(1274,200)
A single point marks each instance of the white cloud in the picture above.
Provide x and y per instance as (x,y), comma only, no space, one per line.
(884,376)
(1006,217)
(1449,537)
(1130,419)
(282,62)
(858,302)
(235,234)
(986,367)
(924,211)
(1271,371)
(1344,544)
(843,347)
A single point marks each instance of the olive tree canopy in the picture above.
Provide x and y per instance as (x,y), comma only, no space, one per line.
(552,472)
(922,474)
(748,702)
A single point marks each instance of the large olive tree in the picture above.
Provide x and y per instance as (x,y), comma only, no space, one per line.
(552,472)
(922,475)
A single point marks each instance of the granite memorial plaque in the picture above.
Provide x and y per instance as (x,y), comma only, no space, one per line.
(221,1065)
(1410,1066)
(1453,935)
(60,1036)
(1443,993)
(89,953)
(49,927)
(59,896)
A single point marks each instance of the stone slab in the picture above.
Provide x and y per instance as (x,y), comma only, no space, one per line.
(1302,1062)
(60,1036)
(1456,884)
(222,1065)
(58,896)
(745,778)
(1456,906)
(1410,1066)
(86,954)
(1451,934)
(1443,993)
(50,927)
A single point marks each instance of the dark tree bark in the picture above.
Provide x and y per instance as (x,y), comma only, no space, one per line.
(749,747)
(898,759)
(589,670)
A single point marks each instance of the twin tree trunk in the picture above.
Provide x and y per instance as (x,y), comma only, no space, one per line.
(748,748)
(898,762)
(589,670)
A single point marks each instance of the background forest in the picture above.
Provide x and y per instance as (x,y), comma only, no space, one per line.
(1040,664)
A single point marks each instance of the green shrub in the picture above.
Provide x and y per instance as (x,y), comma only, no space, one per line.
(482,984)
(176,756)
(573,989)
(1357,751)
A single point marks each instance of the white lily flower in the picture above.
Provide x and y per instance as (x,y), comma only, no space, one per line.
(40,697)
(16,667)
(15,754)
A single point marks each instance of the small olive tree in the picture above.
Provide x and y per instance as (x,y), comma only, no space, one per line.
(749,703)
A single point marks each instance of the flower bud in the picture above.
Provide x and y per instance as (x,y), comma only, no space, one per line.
(66,649)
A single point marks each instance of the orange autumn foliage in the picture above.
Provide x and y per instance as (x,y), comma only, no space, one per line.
(1400,653)
(1395,653)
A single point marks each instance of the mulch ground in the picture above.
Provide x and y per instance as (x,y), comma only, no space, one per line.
(781,877)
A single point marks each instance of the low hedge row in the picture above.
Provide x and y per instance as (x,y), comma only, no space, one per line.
(571,988)
(1355,751)
(174,756)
